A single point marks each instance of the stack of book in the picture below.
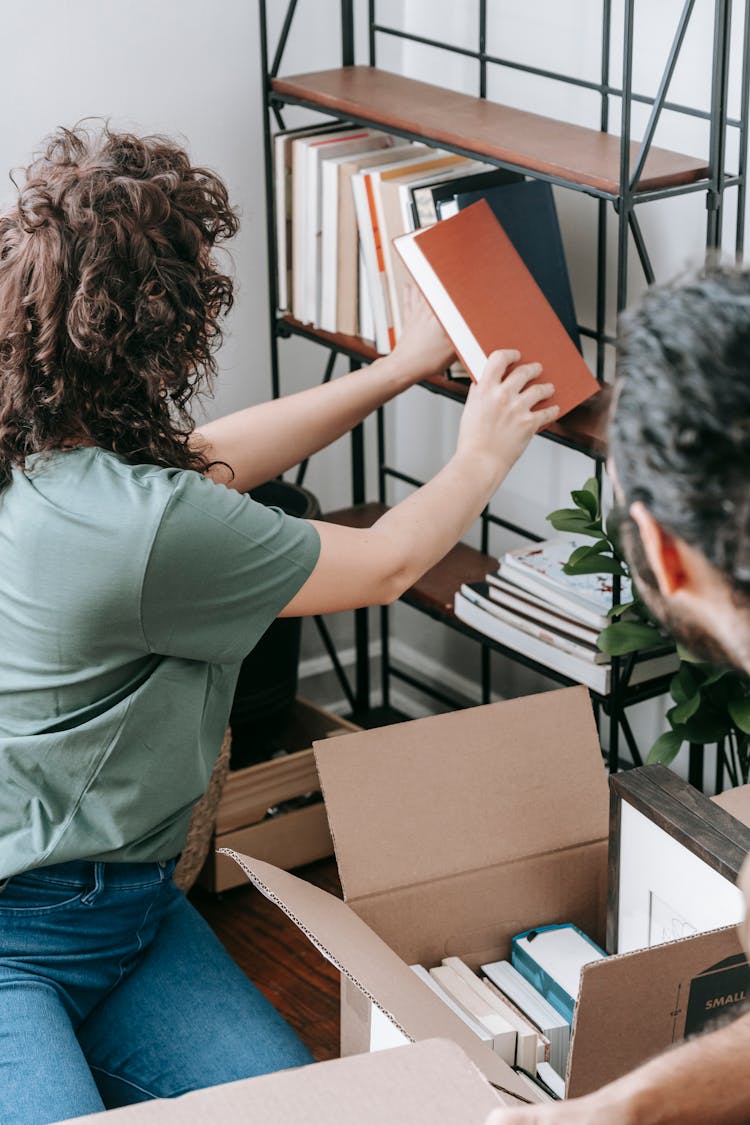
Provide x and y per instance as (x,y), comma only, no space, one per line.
(343,193)
(530,605)
(523,1008)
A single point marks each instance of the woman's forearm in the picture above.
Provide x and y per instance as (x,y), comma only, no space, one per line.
(262,441)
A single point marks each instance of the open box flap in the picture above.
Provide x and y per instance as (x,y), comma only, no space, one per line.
(432,1081)
(632,1005)
(435,797)
(357,952)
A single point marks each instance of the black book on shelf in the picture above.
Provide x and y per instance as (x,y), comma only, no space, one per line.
(526,211)
(444,191)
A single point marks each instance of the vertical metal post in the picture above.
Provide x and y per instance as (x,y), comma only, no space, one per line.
(486,674)
(483,48)
(273,293)
(371,31)
(361,616)
(347,32)
(743,147)
(601,233)
(625,197)
(718,132)
(385,622)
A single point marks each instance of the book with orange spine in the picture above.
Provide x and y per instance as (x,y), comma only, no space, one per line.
(486,298)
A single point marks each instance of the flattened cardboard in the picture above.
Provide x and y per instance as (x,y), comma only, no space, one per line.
(464,791)
(425,1082)
(631,1007)
(364,958)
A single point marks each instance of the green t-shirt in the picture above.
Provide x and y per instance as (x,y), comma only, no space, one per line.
(130,595)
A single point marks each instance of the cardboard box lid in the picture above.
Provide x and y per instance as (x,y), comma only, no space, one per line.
(365,959)
(432,1081)
(436,797)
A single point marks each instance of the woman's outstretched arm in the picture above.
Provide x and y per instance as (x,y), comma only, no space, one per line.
(263,441)
(376,565)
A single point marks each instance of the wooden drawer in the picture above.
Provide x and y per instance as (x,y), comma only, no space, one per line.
(292,838)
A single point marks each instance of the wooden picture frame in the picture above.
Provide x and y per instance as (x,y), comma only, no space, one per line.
(674,858)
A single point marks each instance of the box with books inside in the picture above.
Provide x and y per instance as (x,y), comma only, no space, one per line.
(530,605)
(491,823)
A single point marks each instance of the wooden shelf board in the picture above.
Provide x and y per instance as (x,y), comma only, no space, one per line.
(577,155)
(584,428)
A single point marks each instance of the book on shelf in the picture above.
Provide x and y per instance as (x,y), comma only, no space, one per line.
(282,173)
(393,206)
(538,569)
(365,189)
(340,289)
(597,677)
(541,1013)
(518,600)
(438,201)
(486,298)
(527,213)
(479,594)
(316,152)
(527,1038)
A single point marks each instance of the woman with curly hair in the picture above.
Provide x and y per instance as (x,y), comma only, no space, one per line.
(136,575)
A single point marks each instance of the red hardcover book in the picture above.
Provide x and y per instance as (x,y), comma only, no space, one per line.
(485,298)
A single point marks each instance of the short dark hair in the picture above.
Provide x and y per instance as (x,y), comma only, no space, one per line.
(110,298)
(680,431)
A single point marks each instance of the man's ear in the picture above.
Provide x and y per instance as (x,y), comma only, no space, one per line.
(662,551)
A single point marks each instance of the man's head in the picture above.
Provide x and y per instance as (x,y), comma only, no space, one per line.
(110,299)
(680,457)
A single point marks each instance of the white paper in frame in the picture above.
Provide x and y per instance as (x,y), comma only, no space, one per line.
(674,859)
(666,891)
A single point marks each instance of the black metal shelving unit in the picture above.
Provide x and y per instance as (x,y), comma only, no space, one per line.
(624,194)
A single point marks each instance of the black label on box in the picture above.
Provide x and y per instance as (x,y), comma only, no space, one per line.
(718,989)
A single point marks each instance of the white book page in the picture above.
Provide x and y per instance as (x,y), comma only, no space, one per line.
(463,339)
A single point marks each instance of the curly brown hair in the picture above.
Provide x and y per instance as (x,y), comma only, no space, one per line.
(110,299)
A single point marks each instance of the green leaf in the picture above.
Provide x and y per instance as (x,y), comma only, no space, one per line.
(683,711)
(666,748)
(684,684)
(617,610)
(623,637)
(588,550)
(571,519)
(686,656)
(599,564)
(592,486)
(586,502)
(707,725)
(739,712)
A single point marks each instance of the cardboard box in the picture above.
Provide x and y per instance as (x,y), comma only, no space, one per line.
(292,838)
(453,833)
(428,1082)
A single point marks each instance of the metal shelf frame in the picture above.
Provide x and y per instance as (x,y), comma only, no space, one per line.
(625,204)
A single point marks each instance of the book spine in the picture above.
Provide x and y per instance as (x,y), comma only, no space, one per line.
(594,676)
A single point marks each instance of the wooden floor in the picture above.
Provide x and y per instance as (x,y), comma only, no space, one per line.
(279,958)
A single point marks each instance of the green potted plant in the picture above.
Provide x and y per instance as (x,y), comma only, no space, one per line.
(709,704)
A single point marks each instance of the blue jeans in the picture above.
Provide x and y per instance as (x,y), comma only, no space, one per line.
(113,990)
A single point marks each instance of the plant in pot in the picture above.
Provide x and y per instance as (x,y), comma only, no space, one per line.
(710,704)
